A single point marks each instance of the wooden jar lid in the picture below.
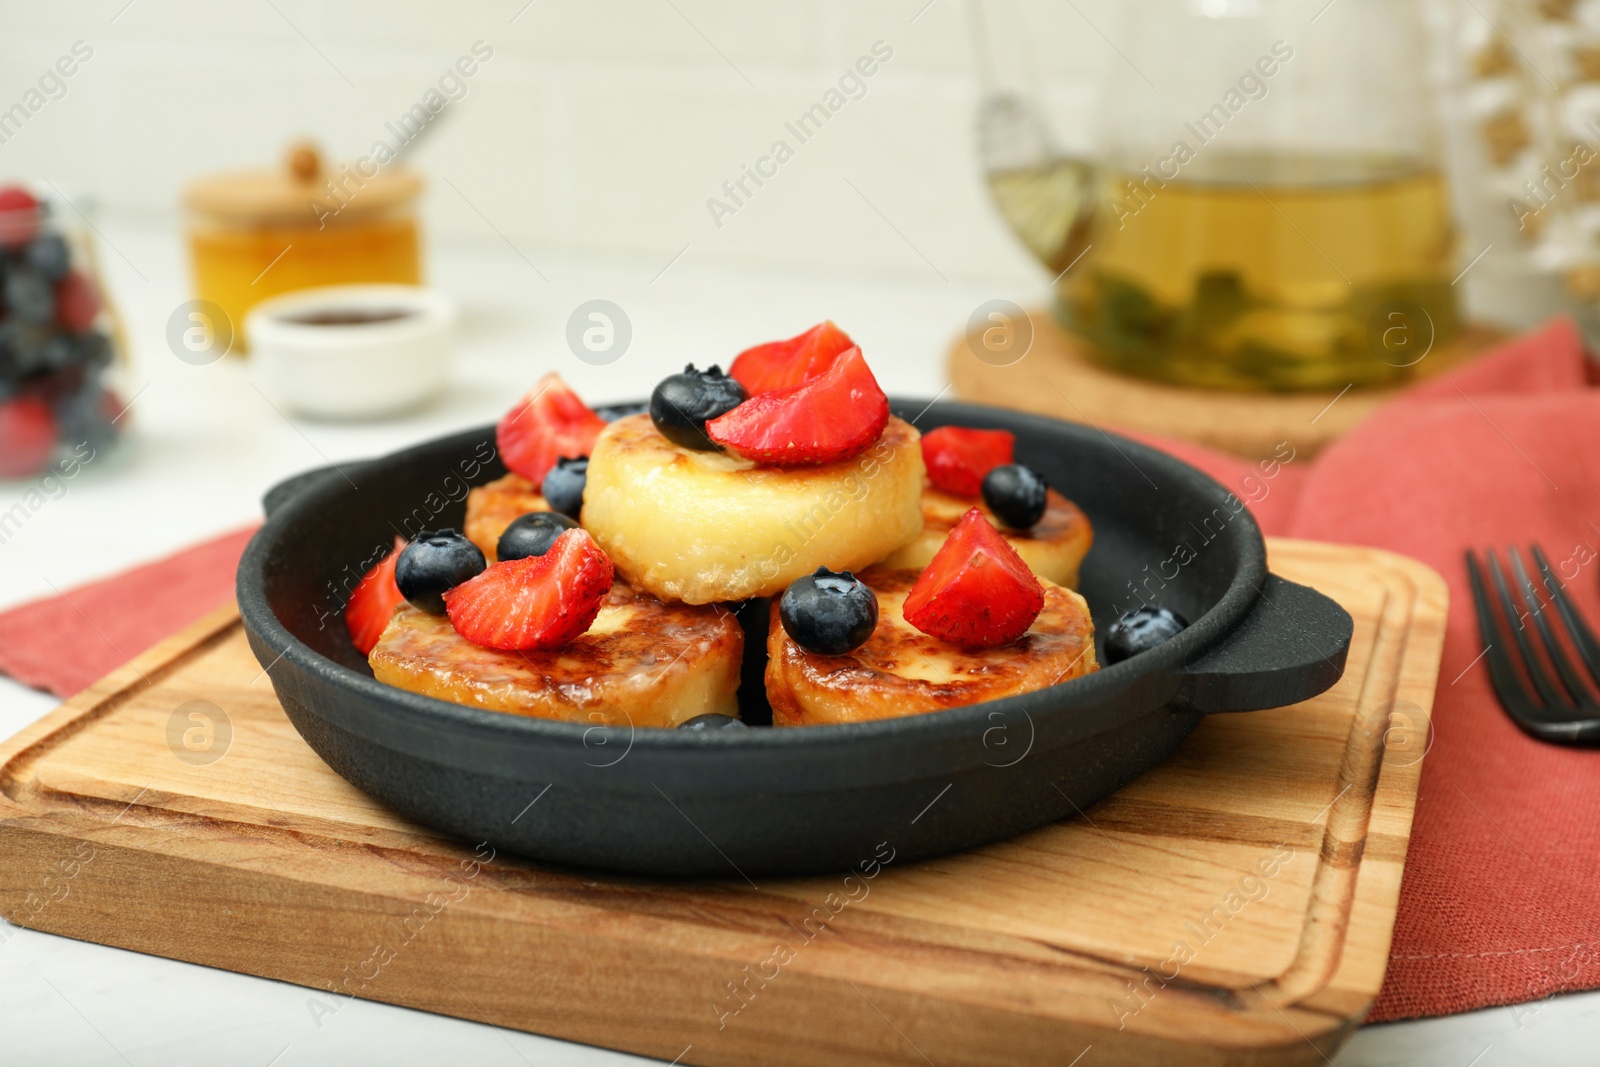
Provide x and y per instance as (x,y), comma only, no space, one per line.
(299,191)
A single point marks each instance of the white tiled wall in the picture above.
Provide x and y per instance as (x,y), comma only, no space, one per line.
(603,124)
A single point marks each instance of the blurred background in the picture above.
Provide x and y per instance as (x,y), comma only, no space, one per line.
(597,126)
(1237,222)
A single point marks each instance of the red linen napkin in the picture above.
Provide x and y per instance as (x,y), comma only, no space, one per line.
(63,644)
(1496,903)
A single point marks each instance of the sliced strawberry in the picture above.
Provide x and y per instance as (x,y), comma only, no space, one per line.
(827,419)
(957,457)
(27,436)
(374,601)
(77,303)
(19,216)
(783,364)
(976,592)
(548,423)
(539,602)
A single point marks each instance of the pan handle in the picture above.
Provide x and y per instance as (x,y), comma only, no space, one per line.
(1290,647)
(295,484)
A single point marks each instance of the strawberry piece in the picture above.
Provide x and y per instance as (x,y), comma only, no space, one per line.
(976,592)
(19,216)
(825,420)
(957,457)
(27,436)
(374,601)
(77,303)
(539,602)
(547,424)
(784,364)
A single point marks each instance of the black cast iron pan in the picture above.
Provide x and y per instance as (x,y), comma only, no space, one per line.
(788,801)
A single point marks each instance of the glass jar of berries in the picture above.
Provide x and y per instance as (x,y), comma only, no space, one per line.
(58,340)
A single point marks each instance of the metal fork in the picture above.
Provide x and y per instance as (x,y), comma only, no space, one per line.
(1562,710)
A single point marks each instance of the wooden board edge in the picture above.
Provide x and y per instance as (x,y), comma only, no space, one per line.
(1353,981)
(1377,894)
(867,1024)
(159,660)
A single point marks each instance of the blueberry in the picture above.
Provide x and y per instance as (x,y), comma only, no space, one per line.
(827,613)
(85,418)
(1140,630)
(48,255)
(11,363)
(563,485)
(94,351)
(30,347)
(682,403)
(58,353)
(613,412)
(532,534)
(437,561)
(711,722)
(1016,494)
(29,295)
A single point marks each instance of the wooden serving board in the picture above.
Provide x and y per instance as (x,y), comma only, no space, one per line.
(1057,378)
(1233,906)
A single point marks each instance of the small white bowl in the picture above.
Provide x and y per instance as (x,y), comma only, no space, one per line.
(352,351)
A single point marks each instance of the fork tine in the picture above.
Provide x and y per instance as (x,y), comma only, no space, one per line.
(1514,696)
(1558,657)
(1582,637)
(1519,633)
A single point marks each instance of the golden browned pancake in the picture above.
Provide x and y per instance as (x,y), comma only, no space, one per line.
(494,506)
(1053,547)
(902,671)
(703,527)
(642,662)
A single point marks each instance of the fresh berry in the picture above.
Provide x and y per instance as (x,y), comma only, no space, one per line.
(541,602)
(57,353)
(682,403)
(48,254)
(1016,494)
(712,722)
(976,592)
(827,613)
(94,351)
(784,364)
(548,423)
(436,562)
(27,436)
(1140,630)
(374,602)
(85,419)
(77,303)
(532,534)
(563,485)
(957,457)
(29,296)
(19,216)
(20,344)
(824,420)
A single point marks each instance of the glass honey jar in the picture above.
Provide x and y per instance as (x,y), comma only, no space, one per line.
(253,234)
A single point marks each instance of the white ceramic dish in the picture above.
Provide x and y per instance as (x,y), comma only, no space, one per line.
(352,351)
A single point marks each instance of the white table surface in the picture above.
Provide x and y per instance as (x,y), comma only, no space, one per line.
(205,445)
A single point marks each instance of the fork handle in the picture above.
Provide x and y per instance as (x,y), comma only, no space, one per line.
(1290,647)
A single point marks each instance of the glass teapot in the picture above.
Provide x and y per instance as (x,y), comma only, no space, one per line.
(1260,203)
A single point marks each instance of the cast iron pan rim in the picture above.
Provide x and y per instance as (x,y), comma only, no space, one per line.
(952,723)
